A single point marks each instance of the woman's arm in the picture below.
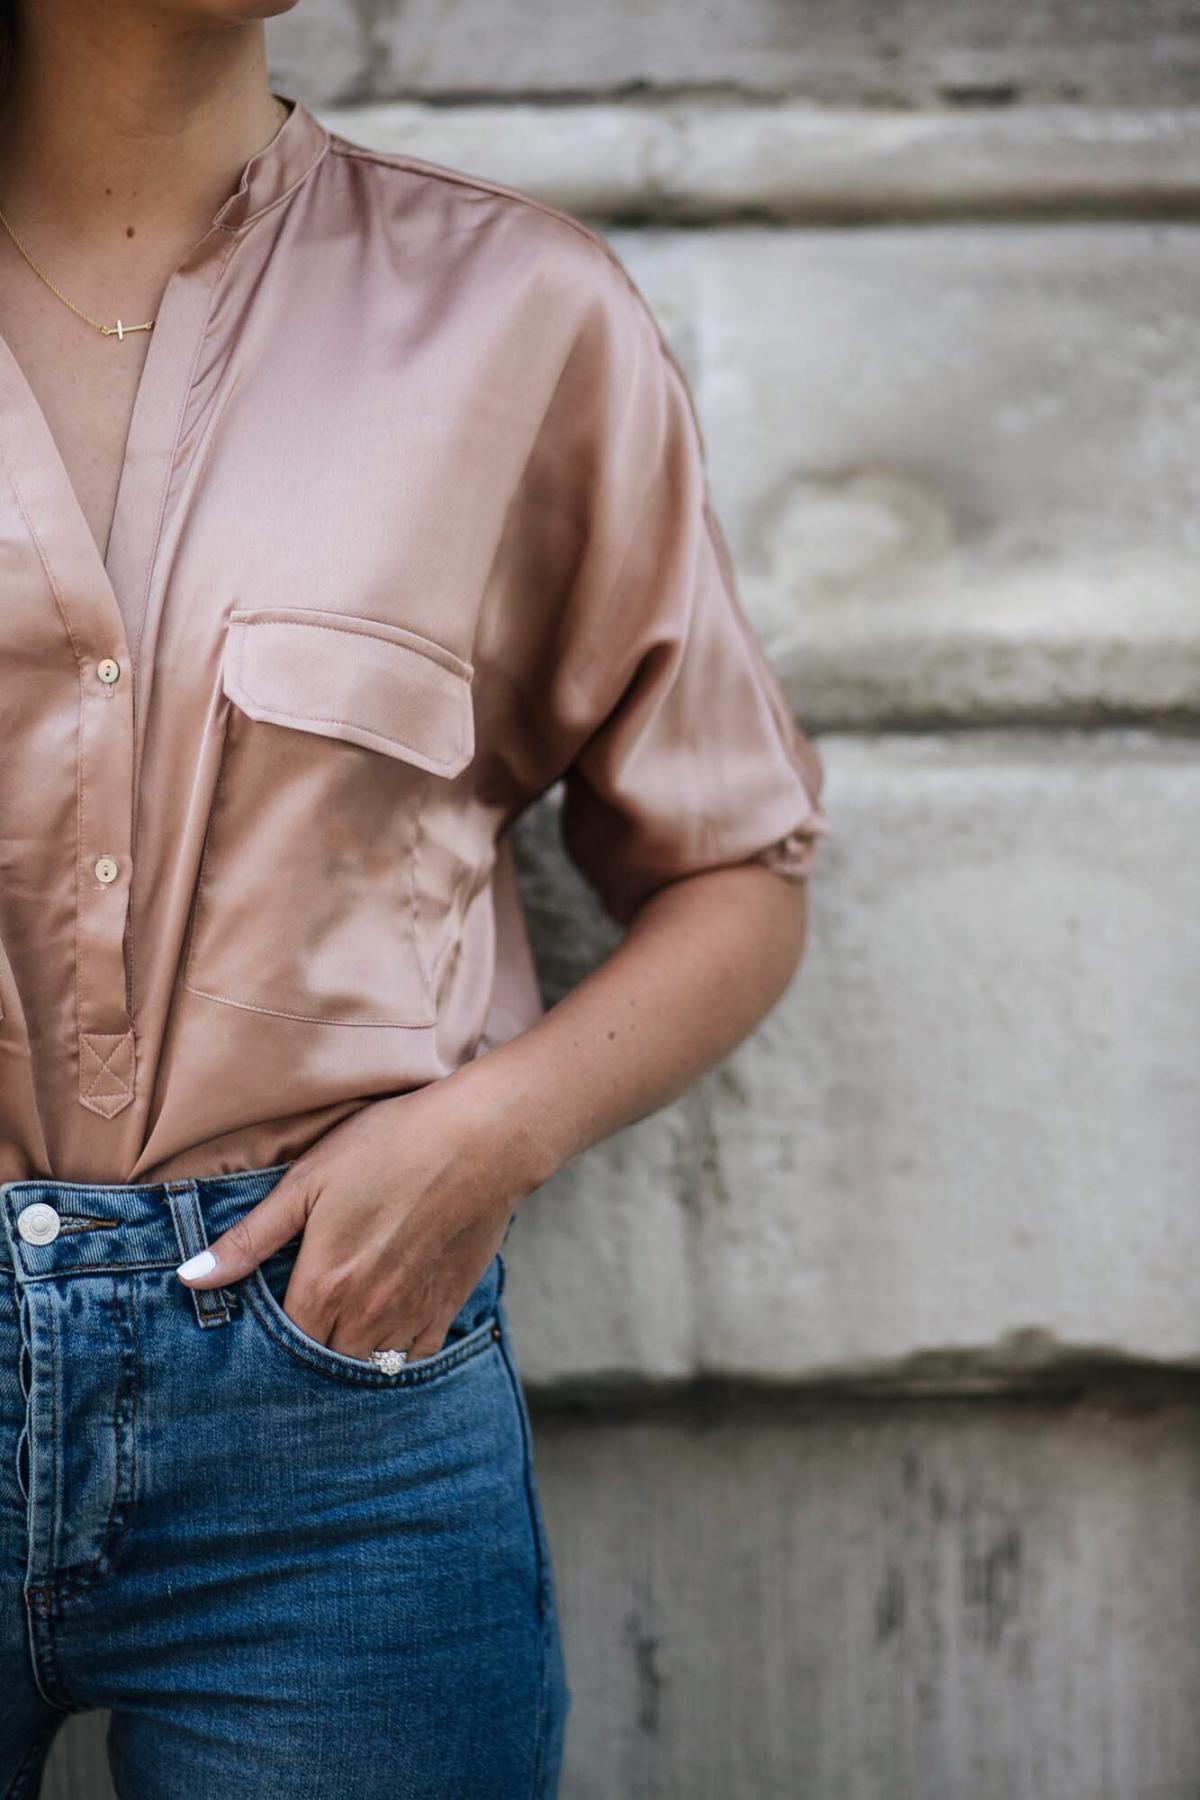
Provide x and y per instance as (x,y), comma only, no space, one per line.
(704,960)
(404,1203)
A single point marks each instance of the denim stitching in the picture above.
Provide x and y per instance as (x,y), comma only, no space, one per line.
(547,1614)
(81,1576)
(543,1713)
(187,1217)
(551,1655)
(541,1564)
(28,1767)
(85,1575)
(25,1375)
(43,1659)
(414,1375)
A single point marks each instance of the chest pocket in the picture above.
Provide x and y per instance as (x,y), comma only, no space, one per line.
(309,902)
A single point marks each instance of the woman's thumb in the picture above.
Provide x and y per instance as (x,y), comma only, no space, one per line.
(247,1243)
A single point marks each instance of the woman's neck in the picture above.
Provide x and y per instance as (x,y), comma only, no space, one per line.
(128,122)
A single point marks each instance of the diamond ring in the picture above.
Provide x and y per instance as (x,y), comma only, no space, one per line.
(390,1361)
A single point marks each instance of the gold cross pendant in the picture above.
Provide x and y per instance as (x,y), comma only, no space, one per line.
(120,329)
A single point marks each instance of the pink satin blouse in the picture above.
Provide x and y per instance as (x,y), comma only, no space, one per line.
(413,523)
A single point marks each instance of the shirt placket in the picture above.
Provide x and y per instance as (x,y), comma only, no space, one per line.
(103,763)
(107,1052)
(110,697)
(114,695)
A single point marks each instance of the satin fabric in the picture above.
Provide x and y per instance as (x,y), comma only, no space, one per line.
(413,524)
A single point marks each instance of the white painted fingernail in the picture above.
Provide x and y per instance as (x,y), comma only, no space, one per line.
(202,1264)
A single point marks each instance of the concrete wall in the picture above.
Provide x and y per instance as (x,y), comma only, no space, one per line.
(945,1599)
(866,1376)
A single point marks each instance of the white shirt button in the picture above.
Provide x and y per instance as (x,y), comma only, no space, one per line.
(108,670)
(106,870)
(39,1223)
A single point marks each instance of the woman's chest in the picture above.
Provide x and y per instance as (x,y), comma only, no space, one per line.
(85,386)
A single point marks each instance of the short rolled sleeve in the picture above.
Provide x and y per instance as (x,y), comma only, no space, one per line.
(692,758)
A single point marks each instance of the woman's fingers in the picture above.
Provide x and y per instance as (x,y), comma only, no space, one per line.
(427,1342)
(358,1336)
(267,1226)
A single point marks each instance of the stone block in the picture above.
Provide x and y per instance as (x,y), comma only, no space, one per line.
(962,1150)
(706,160)
(898,1602)
(938,52)
(955,465)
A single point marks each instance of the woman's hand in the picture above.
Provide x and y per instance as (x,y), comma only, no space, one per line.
(402,1206)
(404,1203)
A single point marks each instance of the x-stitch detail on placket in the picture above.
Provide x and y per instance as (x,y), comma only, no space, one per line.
(104,1088)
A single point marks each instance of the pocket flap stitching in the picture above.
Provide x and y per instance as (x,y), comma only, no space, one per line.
(361,680)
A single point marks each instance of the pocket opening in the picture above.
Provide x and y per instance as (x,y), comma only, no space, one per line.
(474,1329)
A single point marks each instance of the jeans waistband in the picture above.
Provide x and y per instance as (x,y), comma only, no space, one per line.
(87,1227)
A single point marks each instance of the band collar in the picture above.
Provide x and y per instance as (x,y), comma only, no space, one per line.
(276,170)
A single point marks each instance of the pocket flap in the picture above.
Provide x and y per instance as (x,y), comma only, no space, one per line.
(357,679)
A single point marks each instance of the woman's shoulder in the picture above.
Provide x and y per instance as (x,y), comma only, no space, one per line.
(520,233)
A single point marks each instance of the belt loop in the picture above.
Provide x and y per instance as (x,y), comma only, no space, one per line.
(183,1198)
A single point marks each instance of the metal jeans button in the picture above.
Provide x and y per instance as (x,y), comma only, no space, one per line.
(39,1223)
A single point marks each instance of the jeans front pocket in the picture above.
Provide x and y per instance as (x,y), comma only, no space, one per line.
(474,1330)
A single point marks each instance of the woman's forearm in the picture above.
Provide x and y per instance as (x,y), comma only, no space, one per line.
(403,1203)
(704,960)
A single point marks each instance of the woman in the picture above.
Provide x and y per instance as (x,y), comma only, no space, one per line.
(347,504)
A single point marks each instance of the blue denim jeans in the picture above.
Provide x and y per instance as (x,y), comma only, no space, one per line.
(284,1571)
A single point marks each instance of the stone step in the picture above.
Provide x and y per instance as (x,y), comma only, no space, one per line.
(703,160)
(937,52)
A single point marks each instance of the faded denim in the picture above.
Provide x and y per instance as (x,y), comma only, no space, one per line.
(285,1572)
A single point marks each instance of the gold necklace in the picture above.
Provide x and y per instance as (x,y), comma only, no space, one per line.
(120,330)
